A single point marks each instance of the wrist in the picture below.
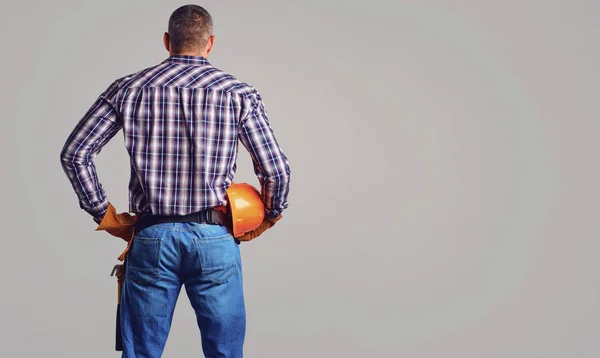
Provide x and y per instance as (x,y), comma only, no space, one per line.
(272,214)
(98,218)
(275,219)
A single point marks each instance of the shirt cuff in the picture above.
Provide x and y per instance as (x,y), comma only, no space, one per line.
(99,217)
(272,214)
(99,210)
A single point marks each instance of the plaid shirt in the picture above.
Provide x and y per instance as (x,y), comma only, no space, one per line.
(181,120)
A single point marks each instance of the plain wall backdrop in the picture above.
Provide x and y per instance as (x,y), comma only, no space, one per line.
(444,198)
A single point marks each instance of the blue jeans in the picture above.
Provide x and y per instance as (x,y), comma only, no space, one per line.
(206,260)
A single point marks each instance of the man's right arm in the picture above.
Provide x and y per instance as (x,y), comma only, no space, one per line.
(270,163)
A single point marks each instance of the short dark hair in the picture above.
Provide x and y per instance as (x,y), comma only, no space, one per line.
(190,26)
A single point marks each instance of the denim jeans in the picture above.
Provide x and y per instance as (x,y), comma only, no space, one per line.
(206,260)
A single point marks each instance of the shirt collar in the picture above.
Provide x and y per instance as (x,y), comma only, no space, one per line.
(188,60)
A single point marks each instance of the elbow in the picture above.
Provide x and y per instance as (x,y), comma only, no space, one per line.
(70,158)
(277,177)
(66,151)
(284,174)
(286,177)
(67,159)
(282,179)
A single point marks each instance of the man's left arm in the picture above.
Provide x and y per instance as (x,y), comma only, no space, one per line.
(97,127)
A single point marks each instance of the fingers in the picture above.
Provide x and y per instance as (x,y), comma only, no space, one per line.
(119,225)
(251,235)
(266,224)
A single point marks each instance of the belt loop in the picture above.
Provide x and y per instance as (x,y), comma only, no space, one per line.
(209,216)
(198,219)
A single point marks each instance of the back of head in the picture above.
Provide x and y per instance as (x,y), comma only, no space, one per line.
(190,28)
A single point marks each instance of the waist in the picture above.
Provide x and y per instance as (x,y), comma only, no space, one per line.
(209,216)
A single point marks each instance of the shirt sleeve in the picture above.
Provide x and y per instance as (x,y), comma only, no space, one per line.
(271,165)
(97,127)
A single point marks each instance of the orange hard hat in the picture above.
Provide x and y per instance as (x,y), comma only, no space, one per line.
(246,208)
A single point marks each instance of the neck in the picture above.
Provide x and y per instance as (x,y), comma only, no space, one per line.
(197,54)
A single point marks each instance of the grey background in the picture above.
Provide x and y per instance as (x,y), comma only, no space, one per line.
(444,196)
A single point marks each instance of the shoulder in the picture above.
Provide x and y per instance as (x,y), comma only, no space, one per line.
(111,93)
(230,83)
(134,79)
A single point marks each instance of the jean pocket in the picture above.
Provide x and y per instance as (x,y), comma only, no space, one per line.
(218,257)
(143,259)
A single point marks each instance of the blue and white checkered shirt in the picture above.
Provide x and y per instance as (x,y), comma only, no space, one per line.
(181,120)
